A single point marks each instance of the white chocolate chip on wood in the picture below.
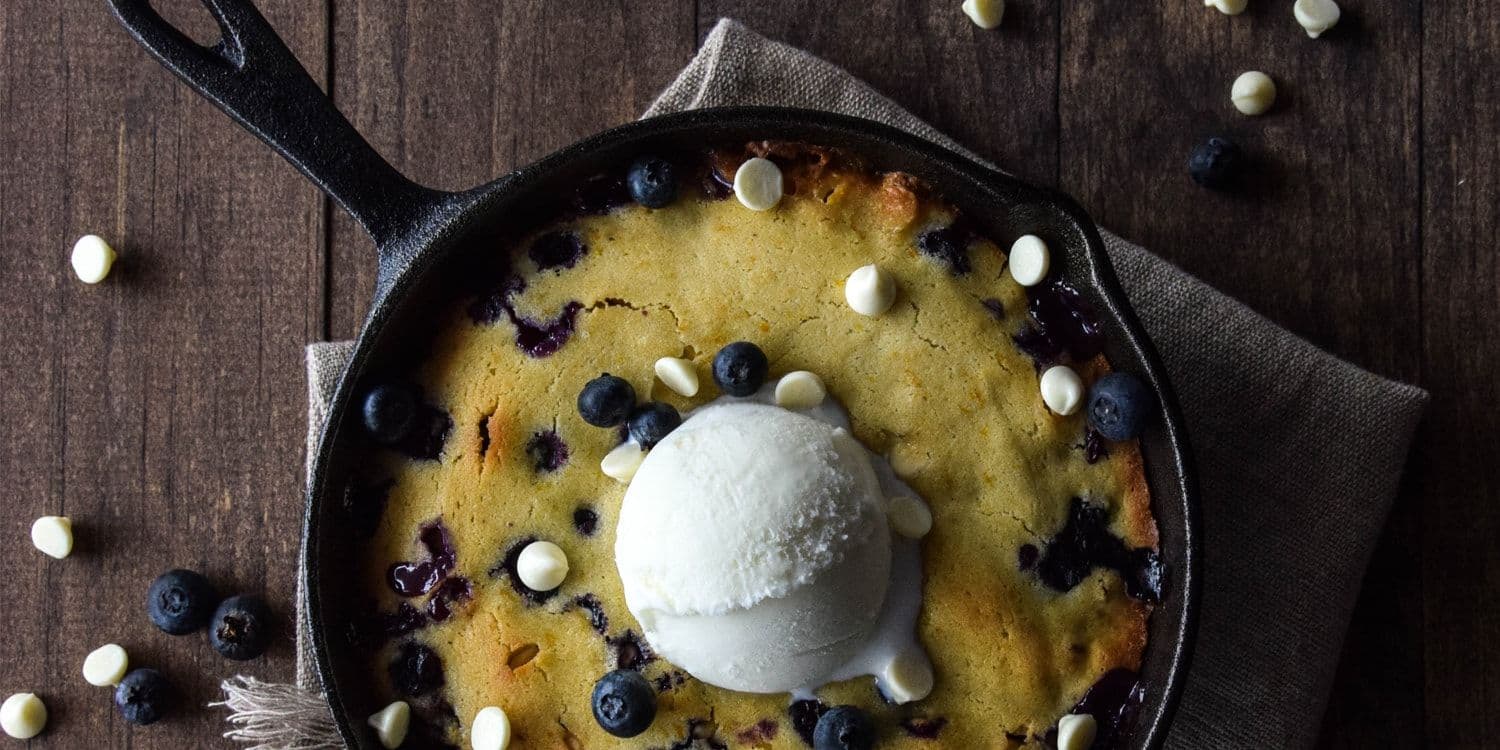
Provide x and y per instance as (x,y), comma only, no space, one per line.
(908,677)
(1253,93)
(53,535)
(678,374)
(800,390)
(1030,260)
(1316,16)
(1062,389)
(986,14)
(757,184)
(1228,7)
(92,258)
(391,723)
(23,716)
(491,729)
(909,516)
(870,290)
(622,463)
(542,566)
(105,666)
(1076,732)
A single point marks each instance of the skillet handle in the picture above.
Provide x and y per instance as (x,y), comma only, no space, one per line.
(251,75)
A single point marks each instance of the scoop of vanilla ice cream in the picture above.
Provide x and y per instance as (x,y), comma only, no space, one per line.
(753,547)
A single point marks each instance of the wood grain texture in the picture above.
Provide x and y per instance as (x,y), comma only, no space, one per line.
(163,410)
(456,94)
(1460,447)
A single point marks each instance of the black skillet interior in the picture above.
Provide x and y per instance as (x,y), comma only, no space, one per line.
(427,242)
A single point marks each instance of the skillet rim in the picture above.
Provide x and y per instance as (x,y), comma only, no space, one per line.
(412,254)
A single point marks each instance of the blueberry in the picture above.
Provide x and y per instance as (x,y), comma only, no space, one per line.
(1216,163)
(143,696)
(740,368)
(624,703)
(390,411)
(241,627)
(1118,406)
(606,401)
(651,422)
(180,601)
(844,728)
(652,181)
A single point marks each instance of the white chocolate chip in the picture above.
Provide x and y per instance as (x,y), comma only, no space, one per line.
(92,258)
(23,716)
(870,290)
(678,374)
(1030,260)
(1253,93)
(907,460)
(909,516)
(491,729)
(542,566)
(1062,389)
(800,390)
(621,463)
(53,535)
(1076,732)
(105,666)
(908,677)
(1316,16)
(1228,7)
(986,14)
(391,723)
(757,184)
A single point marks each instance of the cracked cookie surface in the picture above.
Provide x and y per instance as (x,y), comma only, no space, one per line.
(936,382)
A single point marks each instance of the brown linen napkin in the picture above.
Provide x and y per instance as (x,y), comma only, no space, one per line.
(1296,482)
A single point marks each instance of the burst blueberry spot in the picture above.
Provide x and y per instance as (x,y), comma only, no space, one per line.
(404,620)
(594,611)
(453,591)
(557,250)
(547,451)
(759,733)
(416,670)
(1113,701)
(1062,324)
(1085,543)
(413,578)
(1027,556)
(537,339)
(1094,448)
(586,521)
(804,715)
(600,195)
(631,651)
(948,246)
(543,339)
(924,729)
(419,577)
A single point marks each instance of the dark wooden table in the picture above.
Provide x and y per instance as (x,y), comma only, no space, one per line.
(164,409)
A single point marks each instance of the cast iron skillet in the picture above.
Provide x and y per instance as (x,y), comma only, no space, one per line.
(421,236)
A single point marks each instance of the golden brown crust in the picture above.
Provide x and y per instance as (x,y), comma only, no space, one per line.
(936,380)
